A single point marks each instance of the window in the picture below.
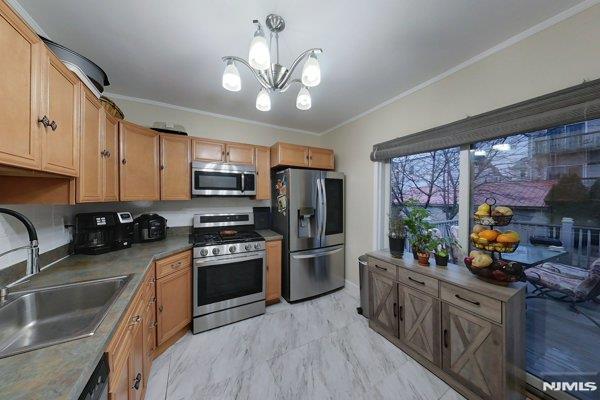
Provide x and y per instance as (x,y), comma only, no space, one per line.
(432,179)
(550,180)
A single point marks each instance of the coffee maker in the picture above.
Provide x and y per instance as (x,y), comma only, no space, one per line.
(101,232)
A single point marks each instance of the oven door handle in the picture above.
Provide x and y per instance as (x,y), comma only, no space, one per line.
(227,259)
(319,254)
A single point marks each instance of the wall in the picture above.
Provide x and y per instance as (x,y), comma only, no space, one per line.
(563,55)
(50,220)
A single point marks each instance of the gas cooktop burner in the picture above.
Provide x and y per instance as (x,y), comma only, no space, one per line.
(213,239)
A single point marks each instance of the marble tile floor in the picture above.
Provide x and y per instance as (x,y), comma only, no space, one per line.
(318,349)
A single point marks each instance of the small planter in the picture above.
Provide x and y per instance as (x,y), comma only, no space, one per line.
(441,261)
(423,259)
(397,246)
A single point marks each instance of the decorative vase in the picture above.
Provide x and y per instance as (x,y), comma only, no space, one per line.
(423,259)
(397,246)
(441,261)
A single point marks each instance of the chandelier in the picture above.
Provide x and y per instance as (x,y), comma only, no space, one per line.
(274,78)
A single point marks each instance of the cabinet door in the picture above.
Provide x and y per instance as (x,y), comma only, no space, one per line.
(121,384)
(136,365)
(383,302)
(175,168)
(472,352)
(263,173)
(19,88)
(90,183)
(60,143)
(420,323)
(149,340)
(273,271)
(293,155)
(208,150)
(111,159)
(321,158)
(174,301)
(139,168)
(238,153)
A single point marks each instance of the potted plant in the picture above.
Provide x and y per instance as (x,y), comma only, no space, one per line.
(418,228)
(422,245)
(441,247)
(397,235)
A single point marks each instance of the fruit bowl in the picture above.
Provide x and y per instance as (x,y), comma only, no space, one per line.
(500,272)
(492,220)
(495,246)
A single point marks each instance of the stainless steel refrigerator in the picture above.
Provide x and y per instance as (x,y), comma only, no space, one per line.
(308,209)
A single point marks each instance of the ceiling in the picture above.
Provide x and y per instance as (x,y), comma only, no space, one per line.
(170,51)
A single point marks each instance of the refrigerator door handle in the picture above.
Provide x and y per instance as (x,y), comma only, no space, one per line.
(317,254)
(324,218)
(319,208)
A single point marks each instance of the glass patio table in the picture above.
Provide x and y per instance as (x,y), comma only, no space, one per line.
(529,256)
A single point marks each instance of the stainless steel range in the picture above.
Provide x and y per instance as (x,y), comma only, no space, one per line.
(229,270)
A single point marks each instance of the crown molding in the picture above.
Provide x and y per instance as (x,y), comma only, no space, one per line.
(202,112)
(18,8)
(584,5)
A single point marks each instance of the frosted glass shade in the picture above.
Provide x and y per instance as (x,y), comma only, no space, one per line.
(259,55)
(231,78)
(263,100)
(303,100)
(311,72)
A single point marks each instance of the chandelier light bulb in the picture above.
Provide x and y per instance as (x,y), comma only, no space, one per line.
(303,100)
(259,55)
(231,78)
(311,72)
(263,100)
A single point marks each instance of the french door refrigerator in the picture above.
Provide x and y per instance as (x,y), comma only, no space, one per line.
(308,209)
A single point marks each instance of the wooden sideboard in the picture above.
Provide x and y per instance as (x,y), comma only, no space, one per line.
(468,332)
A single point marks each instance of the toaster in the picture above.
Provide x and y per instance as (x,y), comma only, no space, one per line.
(149,228)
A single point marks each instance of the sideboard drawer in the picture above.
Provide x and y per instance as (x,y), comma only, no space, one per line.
(418,281)
(383,268)
(477,303)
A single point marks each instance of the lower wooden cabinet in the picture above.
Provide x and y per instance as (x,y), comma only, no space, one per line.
(383,302)
(173,295)
(120,383)
(273,271)
(473,352)
(136,365)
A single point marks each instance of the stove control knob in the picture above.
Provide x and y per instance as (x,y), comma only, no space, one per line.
(248,247)
(204,252)
(216,251)
(257,246)
(232,249)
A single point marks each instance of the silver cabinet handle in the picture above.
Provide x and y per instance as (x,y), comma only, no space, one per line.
(316,255)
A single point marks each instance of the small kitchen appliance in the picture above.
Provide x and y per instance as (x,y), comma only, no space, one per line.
(149,228)
(216,179)
(229,270)
(101,232)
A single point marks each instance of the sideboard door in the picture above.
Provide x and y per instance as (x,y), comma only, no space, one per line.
(384,302)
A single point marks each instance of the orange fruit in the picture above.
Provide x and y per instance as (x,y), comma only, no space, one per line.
(489,234)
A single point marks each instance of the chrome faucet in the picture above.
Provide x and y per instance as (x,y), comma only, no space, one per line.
(33,251)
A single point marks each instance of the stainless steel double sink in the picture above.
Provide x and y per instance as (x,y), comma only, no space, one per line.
(43,317)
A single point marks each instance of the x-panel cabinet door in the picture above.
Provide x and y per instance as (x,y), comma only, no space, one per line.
(384,302)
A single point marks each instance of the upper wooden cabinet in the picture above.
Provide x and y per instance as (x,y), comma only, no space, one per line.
(175,170)
(19,87)
(263,173)
(292,155)
(60,105)
(208,150)
(110,127)
(139,166)
(238,153)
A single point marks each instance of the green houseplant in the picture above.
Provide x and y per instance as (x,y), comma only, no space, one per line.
(419,230)
(441,247)
(397,235)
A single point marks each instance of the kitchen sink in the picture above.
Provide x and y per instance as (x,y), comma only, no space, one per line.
(43,317)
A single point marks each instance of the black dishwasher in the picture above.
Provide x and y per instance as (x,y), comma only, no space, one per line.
(97,386)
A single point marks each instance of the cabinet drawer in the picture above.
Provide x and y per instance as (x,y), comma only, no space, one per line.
(173,263)
(418,281)
(474,302)
(383,268)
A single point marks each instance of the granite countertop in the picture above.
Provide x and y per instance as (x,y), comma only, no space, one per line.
(269,235)
(61,371)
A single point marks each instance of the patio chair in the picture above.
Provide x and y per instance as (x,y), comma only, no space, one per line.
(565,283)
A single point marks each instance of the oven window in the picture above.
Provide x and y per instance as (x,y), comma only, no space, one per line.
(227,281)
(216,181)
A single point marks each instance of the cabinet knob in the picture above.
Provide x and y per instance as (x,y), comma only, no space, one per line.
(44,121)
(124,162)
(137,381)
(160,308)
(103,153)
(53,125)
(107,153)
(162,167)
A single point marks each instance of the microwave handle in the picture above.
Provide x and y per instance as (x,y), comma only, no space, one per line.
(243,182)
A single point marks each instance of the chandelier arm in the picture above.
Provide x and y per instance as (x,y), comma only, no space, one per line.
(259,78)
(289,84)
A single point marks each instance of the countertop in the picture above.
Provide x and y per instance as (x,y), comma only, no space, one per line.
(269,235)
(454,274)
(61,371)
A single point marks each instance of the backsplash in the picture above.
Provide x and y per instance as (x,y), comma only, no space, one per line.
(50,220)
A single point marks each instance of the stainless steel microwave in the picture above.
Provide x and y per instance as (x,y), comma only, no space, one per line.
(215,179)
